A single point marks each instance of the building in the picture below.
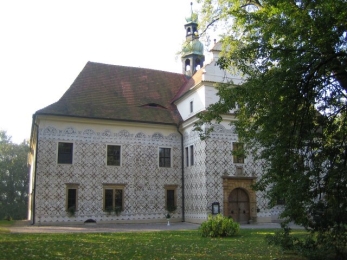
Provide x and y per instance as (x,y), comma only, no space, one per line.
(119,146)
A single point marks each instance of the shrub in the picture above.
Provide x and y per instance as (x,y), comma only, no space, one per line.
(219,226)
(330,244)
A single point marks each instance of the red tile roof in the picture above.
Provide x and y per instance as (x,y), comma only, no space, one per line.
(121,93)
(197,78)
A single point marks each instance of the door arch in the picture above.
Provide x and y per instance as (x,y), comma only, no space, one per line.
(239,205)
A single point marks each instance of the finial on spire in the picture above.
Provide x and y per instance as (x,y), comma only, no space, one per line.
(191,7)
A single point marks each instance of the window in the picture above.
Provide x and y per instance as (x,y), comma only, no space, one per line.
(113,198)
(238,156)
(191,155)
(71,197)
(281,201)
(164,157)
(170,197)
(113,155)
(65,151)
(187,156)
(191,104)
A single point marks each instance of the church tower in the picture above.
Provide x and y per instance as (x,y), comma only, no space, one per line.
(193,50)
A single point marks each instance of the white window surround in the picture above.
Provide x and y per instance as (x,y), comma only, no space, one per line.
(164,147)
(73,153)
(120,156)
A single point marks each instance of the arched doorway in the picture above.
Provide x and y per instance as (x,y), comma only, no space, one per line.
(239,206)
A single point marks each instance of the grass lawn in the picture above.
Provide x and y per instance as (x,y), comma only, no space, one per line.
(249,244)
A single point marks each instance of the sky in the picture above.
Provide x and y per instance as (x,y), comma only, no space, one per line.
(44,44)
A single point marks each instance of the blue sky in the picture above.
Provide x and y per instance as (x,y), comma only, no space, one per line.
(45,44)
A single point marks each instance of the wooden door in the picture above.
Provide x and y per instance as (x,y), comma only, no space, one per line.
(239,208)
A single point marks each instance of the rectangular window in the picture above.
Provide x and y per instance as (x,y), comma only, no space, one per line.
(187,156)
(164,157)
(113,198)
(71,197)
(170,198)
(65,152)
(191,155)
(238,156)
(191,106)
(113,155)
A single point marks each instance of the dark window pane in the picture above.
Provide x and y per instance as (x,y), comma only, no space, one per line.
(108,199)
(119,198)
(170,199)
(187,157)
(65,151)
(237,150)
(164,157)
(113,155)
(71,198)
(191,155)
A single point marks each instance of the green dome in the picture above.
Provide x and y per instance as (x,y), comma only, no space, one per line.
(193,47)
(193,18)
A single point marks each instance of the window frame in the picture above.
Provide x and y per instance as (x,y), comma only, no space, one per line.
(187,156)
(191,155)
(71,186)
(170,188)
(191,106)
(236,146)
(165,157)
(120,154)
(60,154)
(113,187)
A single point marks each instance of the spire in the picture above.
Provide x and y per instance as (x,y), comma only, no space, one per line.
(193,50)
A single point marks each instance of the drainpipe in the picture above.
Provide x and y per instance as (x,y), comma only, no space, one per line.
(182,178)
(35,168)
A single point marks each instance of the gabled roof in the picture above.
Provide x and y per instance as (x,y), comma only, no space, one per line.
(120,93)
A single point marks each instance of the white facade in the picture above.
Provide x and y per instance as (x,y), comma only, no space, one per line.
(201,172)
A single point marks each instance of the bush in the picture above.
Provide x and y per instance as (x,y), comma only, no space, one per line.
(324,245)
(219,226)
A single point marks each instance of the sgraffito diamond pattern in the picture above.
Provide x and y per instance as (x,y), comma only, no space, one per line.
(143,179)
(139,173)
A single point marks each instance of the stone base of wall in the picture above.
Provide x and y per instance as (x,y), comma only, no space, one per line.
(194,220)
(144,221)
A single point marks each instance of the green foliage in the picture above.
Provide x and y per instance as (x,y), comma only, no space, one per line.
(71,211)
(315,245)
(282,238)
(117,210)
(14,178)
(219,226)
(250,244)
(291,107)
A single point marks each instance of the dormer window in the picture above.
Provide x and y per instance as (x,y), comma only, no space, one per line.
(155,105)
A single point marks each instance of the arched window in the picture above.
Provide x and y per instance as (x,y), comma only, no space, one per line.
(189,32)
(198,64)
(187,65)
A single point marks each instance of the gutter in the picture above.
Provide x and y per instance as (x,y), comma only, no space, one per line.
(35,168)
(182,178)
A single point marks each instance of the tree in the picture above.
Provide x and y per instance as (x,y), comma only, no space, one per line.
(292,106)
(14,178)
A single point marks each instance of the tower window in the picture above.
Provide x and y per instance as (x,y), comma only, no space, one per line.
(191,106)
(187,65)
